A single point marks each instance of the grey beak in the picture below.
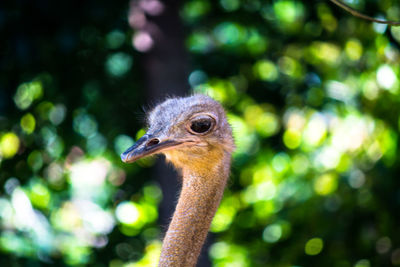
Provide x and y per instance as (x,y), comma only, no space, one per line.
(146,146)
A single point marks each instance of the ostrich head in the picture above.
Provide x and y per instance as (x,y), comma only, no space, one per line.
(188,131)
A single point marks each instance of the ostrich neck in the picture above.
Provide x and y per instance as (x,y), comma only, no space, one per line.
(202,190)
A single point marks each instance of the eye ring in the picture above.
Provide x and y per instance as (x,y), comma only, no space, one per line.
(201,124)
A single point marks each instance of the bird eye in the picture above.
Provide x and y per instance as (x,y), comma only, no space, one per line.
(201,125)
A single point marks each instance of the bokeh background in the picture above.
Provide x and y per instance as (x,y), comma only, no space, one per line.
(312,93)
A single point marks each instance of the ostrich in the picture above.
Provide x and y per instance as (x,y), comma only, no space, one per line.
(194,135)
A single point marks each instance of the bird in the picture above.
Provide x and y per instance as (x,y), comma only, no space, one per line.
(194,135)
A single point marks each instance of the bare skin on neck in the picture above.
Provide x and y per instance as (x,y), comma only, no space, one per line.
(195,137)
(199,199)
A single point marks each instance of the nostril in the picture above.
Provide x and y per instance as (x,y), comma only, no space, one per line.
(152,142)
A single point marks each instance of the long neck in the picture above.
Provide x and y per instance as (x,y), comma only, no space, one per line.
(202,190)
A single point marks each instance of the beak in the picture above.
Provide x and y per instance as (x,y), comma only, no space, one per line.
(146,146)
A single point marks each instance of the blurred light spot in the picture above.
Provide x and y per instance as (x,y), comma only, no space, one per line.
(89,174)
(152,194)
(27,93)
(265,70)
(265,191)
(199,42)
(300,164)
(292,138)
(35,160)
(54,174)
(395,31)
(362,263)
(27,219)
(228,33)
(9,145)
(48,134)
(386,77)
(264,209)
(10,185)
(151,255)
(39,195)
(315,131)
(96,144)
(314,246)
(67,217)
(252,113)
(244,138)
(325,184)
(354,49)
(57,114)
(118,64)
(230,5)
(219,250)
(339,91)
(225,215)
(195,9)
(312,79)
(44,109)
(197,77)
(294,119)
(6,211)
(221,90)
(349,133)
(152,7)
(225,254)
(55,147)
(267,124)
(383,245)
(140,133)
(121,143)
(136,17)
(28,123)
(281,162)
(85,124)
(259,192)
(396,257)
(127,212)
(100,241)
(290,67)
(115,39)
(328,21)
(370,89)
(380,27)
(323,52)
(356,179)
(327,158)
(256,42)
(289,13)
(272,233)
(142,41)
(96,220)
(117,177)
(87,179)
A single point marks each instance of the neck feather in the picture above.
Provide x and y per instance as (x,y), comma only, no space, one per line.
(202,190)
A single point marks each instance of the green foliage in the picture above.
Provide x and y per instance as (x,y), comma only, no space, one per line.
(311,92)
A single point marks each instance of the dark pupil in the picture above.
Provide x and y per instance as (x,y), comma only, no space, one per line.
(201,126)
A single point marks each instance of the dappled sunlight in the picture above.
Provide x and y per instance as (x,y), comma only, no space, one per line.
(310,91)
